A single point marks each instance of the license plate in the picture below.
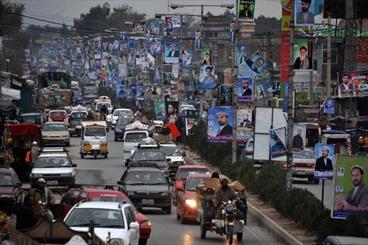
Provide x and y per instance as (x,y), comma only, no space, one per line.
(95,147)
(52,182)
(301,172)
(148,201)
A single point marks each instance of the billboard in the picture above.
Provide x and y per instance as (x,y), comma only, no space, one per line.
(172,52)
(304,12)
(244,89)
(302,54)
(220,124)
(353,84)
(253,66)
(325,161)
(351,191)
(299,136)
(246,10)
(207,77)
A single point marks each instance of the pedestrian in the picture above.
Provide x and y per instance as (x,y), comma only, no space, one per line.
(35,151)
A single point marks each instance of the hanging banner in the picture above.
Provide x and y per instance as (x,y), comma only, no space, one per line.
(220,124)
(172,52)
(244,88)
(207,77)
(160,110)
(278,142)
(325,161)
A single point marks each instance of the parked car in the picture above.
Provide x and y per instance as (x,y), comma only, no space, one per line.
(183,172)
(75,195)
(147,187)
(304,164)
(187,203)
(119,128)
(174,155)
(55,134)
(10,188)
(114,222)
(55,167)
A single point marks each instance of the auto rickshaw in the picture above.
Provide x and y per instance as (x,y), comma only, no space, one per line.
(94,139)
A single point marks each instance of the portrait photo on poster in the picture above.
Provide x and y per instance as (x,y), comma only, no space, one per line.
(207,77)
(244,88)
(278,142)
(329,106)
(186,57)
(299,137)
(325,161)
(220,124)
(246,10)
(350,186)
(304,12)
(160,110)
(245,119)
(302,55)
(172,52)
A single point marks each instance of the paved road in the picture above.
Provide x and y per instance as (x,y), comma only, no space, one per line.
(166,229)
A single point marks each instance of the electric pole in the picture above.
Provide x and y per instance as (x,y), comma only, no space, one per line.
(349,54)
(328,78)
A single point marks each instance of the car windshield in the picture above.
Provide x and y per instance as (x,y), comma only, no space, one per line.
(145,178)
(121,112)
(135,137)
(32,118)
(6,180)
(54,127)
(171,150)
(122,121)
(147,155)
(52,162)
(303,155)
(95,131)
(193,183)
(110,198)
(184,173)
(78,115)
(101,217)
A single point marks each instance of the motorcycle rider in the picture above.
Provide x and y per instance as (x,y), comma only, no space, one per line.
(43,193)
(224,193)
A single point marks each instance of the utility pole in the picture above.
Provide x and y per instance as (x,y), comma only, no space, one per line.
(349,54)
(328,78)
(234,61)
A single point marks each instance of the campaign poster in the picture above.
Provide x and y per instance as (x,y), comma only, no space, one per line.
(329,106)
(155,47)
(304,12)
(189,123)
(157,77)
(132,43)
(302,55)
(140,92)
(172,52)
(353,84)
(349,192)
(176,21)
(160,110)
(319,6)
(206,58)
(187,57)
(133,91)
(169,25)
(253,66)
(241,53)
(325,161)
(299,136)
(278,142)
(207,77)
(220,124)
(246,10)
(139,28)
(120,91)
(154,27)
(244,119)
(226,94)
(242,137)
(197,40)
(244,88)
(263,88)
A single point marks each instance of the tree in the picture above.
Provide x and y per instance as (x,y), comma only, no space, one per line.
(122,14)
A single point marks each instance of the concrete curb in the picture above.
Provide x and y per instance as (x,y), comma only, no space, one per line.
(271,225)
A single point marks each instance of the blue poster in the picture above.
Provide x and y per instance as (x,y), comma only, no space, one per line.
(220,124)
(186,57)
(252,66)
(329,106)
(172,52)
(244,88)
(120,91)
(207,77)
(278,142)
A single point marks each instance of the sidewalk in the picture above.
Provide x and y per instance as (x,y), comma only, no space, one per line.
(285,229)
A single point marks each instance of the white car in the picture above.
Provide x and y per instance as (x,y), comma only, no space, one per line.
(174,155)
(55,167)
(114,222)
(131,140)
(112,118)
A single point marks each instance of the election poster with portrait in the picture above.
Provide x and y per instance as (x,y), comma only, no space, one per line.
(160,110)
(186,57)
(244,89)
(207,77)
(302,54)
(329,106)
(299,136)
(263,88)
(304,12)
(253,66)
(206,58)
(350,186)
(325,161)
(354,84)
(246,10)
(153,26)
(169,25)
(176,21)
(278,142)
(120,91)
(220,124)
(226,94)
(172,52)
(241,53)
(245,119)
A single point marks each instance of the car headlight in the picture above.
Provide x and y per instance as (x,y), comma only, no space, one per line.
(191,203)
(116,241)
(33,175)
(131,193)
(6,196)
(164,194)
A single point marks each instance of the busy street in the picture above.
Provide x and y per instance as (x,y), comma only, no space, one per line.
(183,122)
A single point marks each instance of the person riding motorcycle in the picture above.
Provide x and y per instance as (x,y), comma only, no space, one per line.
(224,193)
(42,193)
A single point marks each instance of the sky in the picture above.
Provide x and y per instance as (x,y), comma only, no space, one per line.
(66,10)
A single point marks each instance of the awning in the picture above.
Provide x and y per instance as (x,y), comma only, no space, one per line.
(24,129)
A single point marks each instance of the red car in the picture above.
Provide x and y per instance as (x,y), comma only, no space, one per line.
(187,202)
(183,172)
(75,195)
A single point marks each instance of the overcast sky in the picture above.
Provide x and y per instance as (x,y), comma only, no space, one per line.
(66,10)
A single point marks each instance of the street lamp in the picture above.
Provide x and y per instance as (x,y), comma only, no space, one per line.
(7,65)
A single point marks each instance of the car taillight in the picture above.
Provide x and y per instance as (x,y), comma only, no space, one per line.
(310,165)
(145,225)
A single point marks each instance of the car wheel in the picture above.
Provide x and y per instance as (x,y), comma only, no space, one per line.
(82,155)
(142,241)
(168,210)
(239,237)
(182,220)
(115,139)
(105,156)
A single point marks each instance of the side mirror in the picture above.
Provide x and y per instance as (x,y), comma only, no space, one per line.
(74,164)
(134,225)
(184,154)
(168,159)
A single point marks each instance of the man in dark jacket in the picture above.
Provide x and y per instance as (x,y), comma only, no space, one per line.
(323,163)
(225,129)
(225,193)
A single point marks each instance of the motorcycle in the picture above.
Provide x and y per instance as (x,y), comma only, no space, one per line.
(227,221)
